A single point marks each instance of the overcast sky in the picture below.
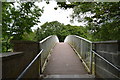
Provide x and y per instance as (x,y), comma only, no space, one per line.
(50,14)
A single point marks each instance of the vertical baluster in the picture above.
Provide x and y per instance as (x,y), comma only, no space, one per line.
(91,56)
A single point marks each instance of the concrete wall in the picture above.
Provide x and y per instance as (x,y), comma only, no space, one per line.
(110,50)
(14,63)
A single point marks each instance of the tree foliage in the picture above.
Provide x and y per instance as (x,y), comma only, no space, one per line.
(61,30)
(18,20)
(102,17)
(29,36)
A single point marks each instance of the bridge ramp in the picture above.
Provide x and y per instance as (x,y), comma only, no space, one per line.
(64,61)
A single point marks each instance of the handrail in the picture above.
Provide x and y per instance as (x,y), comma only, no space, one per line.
(83,39)
(90,42)
(79,38)
(45,39)
(106,60)
(20,76)
(71,39)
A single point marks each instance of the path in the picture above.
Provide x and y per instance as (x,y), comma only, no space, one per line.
(64,61)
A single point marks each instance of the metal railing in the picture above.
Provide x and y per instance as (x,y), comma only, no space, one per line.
(45,45)
(95,63)
(83,48)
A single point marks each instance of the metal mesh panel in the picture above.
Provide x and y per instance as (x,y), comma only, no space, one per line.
(83,47)
(47,44)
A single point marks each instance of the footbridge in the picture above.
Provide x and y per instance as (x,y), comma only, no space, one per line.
(76,57)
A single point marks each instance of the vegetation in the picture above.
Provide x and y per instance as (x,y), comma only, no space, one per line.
(18,21)
(61,30)
(103,22)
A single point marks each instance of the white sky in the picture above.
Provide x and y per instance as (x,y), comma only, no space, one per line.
(49,14)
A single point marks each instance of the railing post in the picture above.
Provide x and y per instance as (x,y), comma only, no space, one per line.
(40,66)
(81,47)
(39,48)
(91,57)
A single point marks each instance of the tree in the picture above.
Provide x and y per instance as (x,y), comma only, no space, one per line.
(17,20)
(102,18)
(61,30)
(29,36)
(47,29)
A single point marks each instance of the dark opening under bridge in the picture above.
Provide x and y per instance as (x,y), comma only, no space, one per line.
(76,57)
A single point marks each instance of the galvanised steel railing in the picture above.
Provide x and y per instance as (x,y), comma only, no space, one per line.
(84,49)
(96,64)
(47,44)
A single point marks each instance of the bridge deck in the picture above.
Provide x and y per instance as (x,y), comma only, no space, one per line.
(64,61)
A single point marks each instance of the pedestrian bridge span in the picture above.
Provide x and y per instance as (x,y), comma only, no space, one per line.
(76,57)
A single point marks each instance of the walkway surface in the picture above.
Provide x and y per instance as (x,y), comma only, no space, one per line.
(64,61)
